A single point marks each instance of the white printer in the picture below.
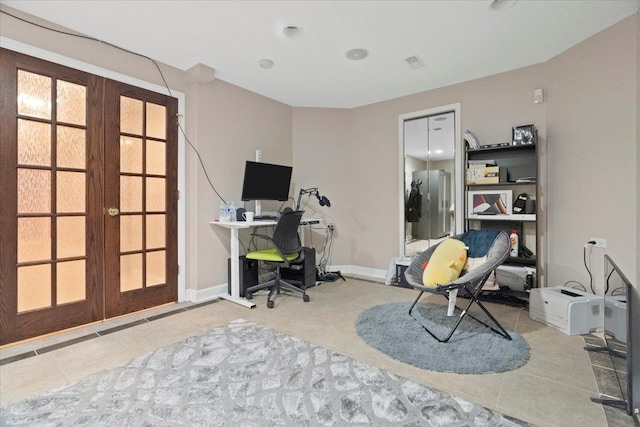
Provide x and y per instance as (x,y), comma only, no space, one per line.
(572,311)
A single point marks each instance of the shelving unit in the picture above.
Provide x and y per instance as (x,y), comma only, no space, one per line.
(519,162)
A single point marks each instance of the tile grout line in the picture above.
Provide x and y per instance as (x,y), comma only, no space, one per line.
(52,347)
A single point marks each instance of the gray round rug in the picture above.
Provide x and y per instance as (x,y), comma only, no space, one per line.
(473,348)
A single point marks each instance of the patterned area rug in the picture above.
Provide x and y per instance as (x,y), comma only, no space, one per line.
(246,374)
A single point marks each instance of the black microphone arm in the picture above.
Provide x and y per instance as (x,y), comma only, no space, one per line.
(322,200)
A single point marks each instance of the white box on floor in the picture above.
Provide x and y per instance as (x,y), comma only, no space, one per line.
(571,311)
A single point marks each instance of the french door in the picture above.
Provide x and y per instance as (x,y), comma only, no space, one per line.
(88,199)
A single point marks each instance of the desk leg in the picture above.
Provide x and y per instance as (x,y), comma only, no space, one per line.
(235,274)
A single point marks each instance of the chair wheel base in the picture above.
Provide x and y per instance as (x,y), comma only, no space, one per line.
(248,295)
(269,304)
(305,298)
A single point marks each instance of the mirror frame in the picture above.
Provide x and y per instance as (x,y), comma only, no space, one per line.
(458,162)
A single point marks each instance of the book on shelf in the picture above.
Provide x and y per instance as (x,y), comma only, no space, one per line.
(471,139)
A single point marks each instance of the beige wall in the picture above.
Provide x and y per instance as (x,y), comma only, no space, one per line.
(592,144)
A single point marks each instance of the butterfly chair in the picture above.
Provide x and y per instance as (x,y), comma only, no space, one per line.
(493,244)
(286,249)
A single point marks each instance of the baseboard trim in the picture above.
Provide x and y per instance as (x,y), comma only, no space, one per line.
(202,295)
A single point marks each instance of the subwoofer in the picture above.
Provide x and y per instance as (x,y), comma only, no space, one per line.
(303,274)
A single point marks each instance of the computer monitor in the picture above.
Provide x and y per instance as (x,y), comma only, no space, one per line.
(266,181)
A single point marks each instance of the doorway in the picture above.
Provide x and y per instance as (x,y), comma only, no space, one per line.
(89,188)
(430,179)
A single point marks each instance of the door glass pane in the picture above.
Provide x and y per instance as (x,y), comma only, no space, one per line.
(71,281)
(130,194)
(130,115)
(34,191)
(70,238)
(130,272)
(34,239)
(156,121)
(130,154)
(130,233)
(156,157)
(155,231)
(156,268)
(71,102)
(155,195)
(70,192)
(34,95)
(34,143)
(34,287)
(71,147)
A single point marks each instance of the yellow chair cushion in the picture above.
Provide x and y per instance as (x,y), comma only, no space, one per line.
(445,263)
(270,255)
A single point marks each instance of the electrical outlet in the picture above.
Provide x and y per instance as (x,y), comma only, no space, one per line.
(600,243)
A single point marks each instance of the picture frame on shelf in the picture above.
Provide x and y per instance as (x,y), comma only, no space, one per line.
(523,135)
(489,202)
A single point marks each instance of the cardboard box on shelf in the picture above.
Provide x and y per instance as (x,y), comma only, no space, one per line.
(481,174)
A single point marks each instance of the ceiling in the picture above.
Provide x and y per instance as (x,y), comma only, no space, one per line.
(458,40)
(430,138)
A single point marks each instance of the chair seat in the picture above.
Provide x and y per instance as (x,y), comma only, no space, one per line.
(270,255)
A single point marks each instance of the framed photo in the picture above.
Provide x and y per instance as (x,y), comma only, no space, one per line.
(489,202)
(523,135)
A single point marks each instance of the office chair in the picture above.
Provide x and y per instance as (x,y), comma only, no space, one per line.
(286,250)
(493,244)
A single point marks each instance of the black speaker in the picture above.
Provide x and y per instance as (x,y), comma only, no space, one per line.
(303,274)
(248,274)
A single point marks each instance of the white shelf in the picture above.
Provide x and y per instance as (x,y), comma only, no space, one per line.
(513,217)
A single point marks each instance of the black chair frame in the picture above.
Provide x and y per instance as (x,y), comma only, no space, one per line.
(468,285)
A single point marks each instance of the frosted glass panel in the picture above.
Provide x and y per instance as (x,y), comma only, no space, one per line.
(34,143)
(156,158)
(34,95)
(130,115)
(34,239)
(130,233)
(70,237)
(156,268)
(156,121)
(130,155)
(130,194)
(70,192)
(34,191)
(72,103)
(71,281)
(34,287)
(156,195)
(71,147)
(155,231)
(130,272)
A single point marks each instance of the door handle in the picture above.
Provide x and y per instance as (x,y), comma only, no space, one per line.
(114,211)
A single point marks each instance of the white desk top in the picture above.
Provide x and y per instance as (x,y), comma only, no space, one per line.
(258,223)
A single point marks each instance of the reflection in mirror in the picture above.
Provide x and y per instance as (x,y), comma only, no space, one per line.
(429,188)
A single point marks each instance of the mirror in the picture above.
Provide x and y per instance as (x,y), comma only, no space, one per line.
(429,180)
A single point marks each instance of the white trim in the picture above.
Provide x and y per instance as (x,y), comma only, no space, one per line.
(374,273)
(93,69)
(207,294)
(458,165)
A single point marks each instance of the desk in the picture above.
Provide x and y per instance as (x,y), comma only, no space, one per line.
(235,254)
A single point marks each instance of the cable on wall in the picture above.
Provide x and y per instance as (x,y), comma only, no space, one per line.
(166,85)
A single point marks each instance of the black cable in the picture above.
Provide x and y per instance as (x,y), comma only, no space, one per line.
(574,287)
(584,259)
(166,85)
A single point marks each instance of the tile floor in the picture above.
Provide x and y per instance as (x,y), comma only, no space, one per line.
(552,389)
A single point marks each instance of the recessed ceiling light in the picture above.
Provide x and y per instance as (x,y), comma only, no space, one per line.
(440,118)
(502,4)
(438,151)
(437,128)
(414,62)
(293,32)
(357,54)
(265,63)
